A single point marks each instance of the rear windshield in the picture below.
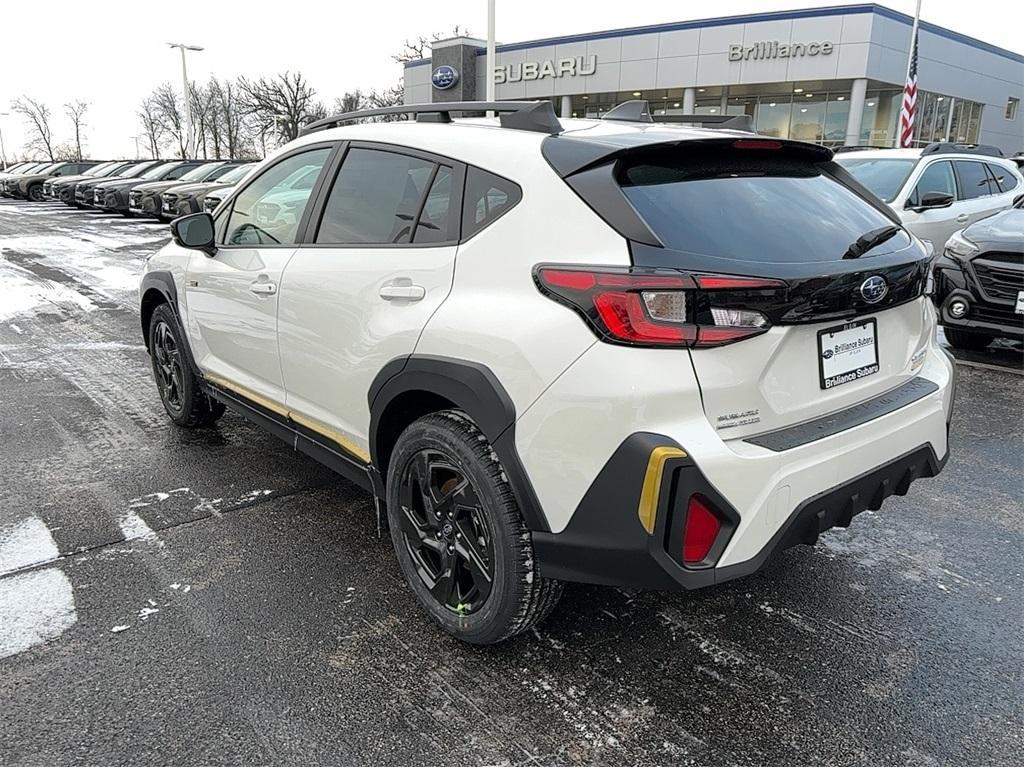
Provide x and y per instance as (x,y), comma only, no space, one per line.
(883,176)
(750,205)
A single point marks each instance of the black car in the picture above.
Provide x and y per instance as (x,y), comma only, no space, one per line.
(979,281)
(144,199)
(112,196)
(53,185)
(82,195)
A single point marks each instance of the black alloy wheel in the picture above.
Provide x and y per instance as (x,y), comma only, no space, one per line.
(446,532)
(167,366)
(35,193)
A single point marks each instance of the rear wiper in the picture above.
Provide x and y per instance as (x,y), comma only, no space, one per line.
(870,240)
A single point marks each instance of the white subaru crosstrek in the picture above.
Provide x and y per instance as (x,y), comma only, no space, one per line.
(609,351)
(939,189)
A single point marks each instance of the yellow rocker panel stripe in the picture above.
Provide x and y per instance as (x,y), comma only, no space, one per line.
(310,423)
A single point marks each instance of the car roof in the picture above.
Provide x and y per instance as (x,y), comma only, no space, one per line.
(881,154)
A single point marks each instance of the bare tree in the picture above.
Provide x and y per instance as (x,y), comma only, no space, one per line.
(288,98)
(76,111)
(229,114)
(37,115)
(169,116)
(418,47)
(151,125)
(352,101)
(66,151)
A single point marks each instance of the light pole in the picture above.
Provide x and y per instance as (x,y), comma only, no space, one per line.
(184,88)
(3,153)
(491,63)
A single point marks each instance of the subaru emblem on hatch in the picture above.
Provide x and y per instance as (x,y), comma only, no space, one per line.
(874,289)
(444,77)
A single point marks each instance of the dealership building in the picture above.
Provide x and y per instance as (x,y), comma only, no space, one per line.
(830,75)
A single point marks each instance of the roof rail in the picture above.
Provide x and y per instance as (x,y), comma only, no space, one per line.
(536,116)
(857,148)
(950,147)
(639,110)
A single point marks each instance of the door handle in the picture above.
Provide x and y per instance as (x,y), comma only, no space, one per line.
(263,288)
(401,289)
(962,218)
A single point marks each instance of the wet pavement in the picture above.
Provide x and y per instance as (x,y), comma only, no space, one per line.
(211,597)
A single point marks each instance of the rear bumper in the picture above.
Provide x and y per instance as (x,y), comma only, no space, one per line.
(605,545)
(774,491)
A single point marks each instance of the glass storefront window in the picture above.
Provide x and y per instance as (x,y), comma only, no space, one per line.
(941,118)
(837,113)
(881,115)
(772,116)
(808,121)
(956,123)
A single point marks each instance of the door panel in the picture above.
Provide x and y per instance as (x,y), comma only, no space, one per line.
(347,312)
(232,315)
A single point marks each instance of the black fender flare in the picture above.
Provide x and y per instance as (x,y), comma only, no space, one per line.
(474,389)
(163,282)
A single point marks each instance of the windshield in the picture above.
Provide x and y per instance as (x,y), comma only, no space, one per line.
(884,176)
(45,167)
(748,205)
(97,170)
(159,171)
(237,174)
(200,173)
(134,171)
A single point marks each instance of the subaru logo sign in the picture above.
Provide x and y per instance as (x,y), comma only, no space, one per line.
(874,289)
(444,77)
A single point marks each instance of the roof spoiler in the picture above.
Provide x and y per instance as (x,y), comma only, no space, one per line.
(639,110)
(538,116)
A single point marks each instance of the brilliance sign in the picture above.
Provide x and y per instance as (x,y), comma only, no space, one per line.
(777,50)
(572,66)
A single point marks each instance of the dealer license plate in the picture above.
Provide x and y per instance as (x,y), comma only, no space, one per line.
(847,353)
(1019,308)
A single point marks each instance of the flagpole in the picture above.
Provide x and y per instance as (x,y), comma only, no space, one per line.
(910,53)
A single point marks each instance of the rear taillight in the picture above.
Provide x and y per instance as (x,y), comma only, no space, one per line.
(659,307)
(700,531)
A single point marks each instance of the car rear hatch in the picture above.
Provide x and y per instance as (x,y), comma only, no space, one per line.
(806,295)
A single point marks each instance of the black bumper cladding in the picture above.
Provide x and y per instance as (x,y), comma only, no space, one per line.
(606,544)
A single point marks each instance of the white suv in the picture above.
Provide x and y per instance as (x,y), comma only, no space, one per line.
(605,351)
(939,189)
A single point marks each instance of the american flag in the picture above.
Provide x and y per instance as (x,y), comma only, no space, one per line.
(909,100)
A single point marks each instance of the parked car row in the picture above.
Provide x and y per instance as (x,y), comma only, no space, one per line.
(965,200)
(163,189)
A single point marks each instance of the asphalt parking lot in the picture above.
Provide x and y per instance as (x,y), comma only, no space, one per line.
(212,598)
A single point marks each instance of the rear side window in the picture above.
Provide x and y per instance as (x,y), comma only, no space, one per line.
(178,172)
(974,179)
(375,199)
(1005,180)
(883,176)
(748,205)
(937,177)
(486,199)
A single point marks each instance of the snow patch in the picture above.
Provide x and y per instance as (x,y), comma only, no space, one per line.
(133,526)
(26,543)
(35,607)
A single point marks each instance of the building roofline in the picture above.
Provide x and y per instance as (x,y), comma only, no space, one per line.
(750,18)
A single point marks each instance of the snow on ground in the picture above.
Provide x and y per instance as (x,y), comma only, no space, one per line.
(35,607)
(24,544)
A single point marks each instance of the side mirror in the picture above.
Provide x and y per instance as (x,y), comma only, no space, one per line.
(195,231)
(932,200)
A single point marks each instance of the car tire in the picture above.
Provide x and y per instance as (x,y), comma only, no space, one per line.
(35,193)
(180,389)
(459,535)
(965,339)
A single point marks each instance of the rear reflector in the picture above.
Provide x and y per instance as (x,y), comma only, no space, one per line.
(755,143)
(701,530)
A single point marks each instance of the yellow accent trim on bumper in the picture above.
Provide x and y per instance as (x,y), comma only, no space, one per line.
(648,508)
(312,424)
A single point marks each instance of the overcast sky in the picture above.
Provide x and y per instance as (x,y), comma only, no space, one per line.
(112,53)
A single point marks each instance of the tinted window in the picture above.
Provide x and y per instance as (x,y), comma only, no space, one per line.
(434,222)
(176,173)
(884,177)
(1005,180)
(214,173)
(268,210)
(198,173)
(375,198)
(236,173)
(140,171)
(937,177)
(974,180)
(487,198)
(748,205)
